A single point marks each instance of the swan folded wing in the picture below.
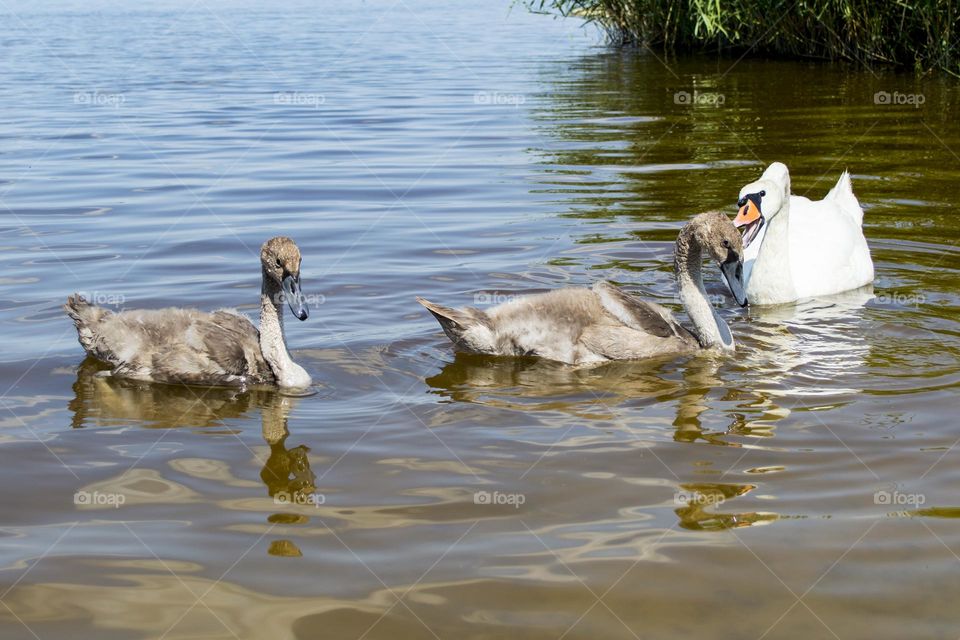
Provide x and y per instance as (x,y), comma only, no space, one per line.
(619,342)
(828,252)
(181,346)
(232,343)
(847,202)
(637,314)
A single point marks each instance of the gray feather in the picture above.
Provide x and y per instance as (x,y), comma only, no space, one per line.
(572,325)
(178,346)
(637,314)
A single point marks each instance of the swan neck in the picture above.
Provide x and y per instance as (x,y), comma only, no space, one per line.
(771,278)
(273,343)
(706,322)
(776,242)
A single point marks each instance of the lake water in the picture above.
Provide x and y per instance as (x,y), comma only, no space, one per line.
(468,152)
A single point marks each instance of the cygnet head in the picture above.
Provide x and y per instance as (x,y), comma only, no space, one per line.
(280,259)
(719,239)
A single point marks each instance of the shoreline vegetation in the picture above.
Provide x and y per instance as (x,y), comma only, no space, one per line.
(923,35)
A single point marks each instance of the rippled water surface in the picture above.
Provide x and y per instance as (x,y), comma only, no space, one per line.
(805,488)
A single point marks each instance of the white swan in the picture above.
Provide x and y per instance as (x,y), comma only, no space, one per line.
(587,326)
(186,346)
(795,248)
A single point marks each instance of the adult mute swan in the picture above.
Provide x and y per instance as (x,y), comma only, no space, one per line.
(586,326)
(795,248)
(187,346)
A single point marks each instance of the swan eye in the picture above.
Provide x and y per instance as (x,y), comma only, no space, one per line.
(279,264)
(726,244)
(762,193)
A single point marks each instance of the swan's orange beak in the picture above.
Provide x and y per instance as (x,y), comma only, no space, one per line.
(748,213)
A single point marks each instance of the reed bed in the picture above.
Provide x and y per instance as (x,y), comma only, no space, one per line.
(921,34)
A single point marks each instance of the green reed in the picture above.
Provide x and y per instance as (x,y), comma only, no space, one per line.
(923,34)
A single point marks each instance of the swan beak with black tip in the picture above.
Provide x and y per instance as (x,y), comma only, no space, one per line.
(749,218)
(732,270)
(295,299)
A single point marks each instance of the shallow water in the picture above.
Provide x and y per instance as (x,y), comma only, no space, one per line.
(468,152)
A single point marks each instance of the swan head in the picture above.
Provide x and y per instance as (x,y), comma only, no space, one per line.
(280,259)
(762,200)
(719,239)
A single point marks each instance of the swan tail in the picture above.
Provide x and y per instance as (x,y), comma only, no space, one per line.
(87,318)
(468,328)
(842,194)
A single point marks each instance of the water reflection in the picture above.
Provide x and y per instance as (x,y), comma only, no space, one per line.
(524,382)
(703,501)
(103,401)
(286,472)
(701,377)
(813,344)
(693,385)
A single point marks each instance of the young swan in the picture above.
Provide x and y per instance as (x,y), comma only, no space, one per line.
(585,326)
(186,346)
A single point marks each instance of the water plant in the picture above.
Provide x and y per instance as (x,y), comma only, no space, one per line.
(922,34)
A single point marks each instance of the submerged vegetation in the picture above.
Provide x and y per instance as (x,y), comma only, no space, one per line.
(923,34)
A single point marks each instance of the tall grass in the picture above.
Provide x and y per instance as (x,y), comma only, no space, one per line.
(923,34)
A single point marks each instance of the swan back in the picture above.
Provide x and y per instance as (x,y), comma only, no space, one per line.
(177,346)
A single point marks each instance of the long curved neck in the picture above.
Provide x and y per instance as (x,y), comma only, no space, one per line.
(771,270)
(273,343)
(708,326)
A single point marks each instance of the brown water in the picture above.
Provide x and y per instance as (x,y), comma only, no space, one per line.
(805,488)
